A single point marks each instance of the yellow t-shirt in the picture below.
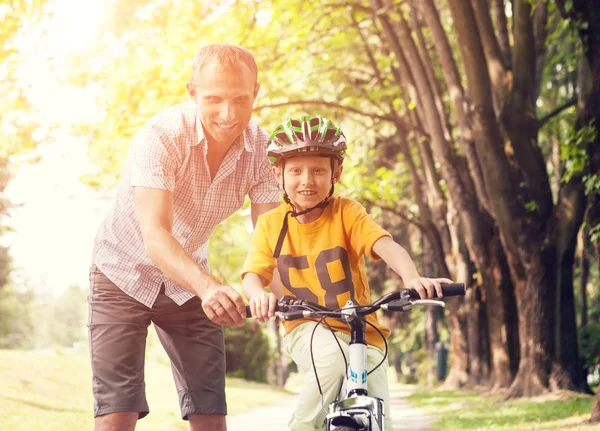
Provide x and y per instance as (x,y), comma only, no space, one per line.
(322,261)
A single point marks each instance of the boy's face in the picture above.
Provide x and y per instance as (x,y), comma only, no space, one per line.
(307,179)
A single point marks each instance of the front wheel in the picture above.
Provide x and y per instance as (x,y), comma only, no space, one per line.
(357,413)
(347,423)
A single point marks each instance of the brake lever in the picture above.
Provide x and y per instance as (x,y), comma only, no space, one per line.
(429,302)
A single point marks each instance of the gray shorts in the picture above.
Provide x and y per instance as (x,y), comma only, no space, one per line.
(118,327)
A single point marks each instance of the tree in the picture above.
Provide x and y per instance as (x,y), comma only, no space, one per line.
(18,120)
(471,163)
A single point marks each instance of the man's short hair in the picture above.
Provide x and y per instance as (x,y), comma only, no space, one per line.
(226,54)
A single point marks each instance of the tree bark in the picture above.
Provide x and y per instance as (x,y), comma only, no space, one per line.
(476,366)
(456,93)
(567,372)
(584,272)
(493,55)
(431,317)
(458,311)
(502,30)
(532,377)
(596,408)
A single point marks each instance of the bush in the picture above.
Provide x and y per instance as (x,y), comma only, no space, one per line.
(589,344)
(247,352)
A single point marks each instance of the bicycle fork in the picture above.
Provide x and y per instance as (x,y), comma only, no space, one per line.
(356,409)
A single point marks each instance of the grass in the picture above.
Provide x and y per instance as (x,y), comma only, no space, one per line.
(49,391)
(472,411)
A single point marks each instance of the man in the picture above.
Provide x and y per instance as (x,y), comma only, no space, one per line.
(188,169)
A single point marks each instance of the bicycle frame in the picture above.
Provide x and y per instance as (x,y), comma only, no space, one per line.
(355,403)
(355,409)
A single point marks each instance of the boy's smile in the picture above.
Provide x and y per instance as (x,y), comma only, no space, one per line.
(308,180)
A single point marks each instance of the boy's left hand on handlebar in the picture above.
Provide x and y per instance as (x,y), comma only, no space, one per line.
(427,287)
(263,306)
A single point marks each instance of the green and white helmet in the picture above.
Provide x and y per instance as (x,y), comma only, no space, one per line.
(306,134)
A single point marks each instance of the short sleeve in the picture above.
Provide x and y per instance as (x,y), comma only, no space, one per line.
(364,231)
(154,159)
(264,188)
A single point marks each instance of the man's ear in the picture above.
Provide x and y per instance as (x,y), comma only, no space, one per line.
(190,89)
(256,88)
(337,173)
(278,174)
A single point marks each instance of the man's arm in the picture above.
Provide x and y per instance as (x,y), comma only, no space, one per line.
(222,304)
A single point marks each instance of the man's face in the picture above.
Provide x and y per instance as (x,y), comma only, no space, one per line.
(224,98)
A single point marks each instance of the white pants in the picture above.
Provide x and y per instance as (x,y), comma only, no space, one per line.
(311,409)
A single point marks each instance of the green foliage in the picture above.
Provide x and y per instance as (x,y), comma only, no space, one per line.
(60,322)
(589,342)
(574,151)
(532,206)
(592,184)
(28,320)
(16,325)
(471,411)
(595,234)
(229,245)
(247,352)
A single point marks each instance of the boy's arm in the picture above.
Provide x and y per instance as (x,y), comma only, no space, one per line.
(399,260)
(253,285)
(262,303)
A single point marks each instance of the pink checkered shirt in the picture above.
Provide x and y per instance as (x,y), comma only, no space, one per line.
(169,153)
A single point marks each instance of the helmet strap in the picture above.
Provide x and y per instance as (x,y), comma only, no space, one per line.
(294,212)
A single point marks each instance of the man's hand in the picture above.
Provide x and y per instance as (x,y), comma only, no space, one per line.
(223,305)
(426,287)
(263,306)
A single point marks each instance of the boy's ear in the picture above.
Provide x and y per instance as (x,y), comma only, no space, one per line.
(337,173)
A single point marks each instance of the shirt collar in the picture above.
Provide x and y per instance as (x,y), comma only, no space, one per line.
(246,136)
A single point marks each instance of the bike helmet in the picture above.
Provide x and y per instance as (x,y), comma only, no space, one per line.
(306,134)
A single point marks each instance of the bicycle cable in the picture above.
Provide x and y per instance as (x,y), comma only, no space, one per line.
(323,320)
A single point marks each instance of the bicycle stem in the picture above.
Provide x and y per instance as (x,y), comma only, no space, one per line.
(357,365)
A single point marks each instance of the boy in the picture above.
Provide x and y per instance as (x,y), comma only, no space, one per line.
(319,253)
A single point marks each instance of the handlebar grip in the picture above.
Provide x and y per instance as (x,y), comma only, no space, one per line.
(292,315)
(450,289)
(454,289)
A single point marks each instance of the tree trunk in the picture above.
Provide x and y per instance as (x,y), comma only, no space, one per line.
(473,300)
(528,262)
(431,317)
(584,272)
(567,372)
(596,408)
(499,14)
(510,332)
(458,374)
(497,307)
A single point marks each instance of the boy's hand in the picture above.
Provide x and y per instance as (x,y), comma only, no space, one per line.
(263,306)
(427,287)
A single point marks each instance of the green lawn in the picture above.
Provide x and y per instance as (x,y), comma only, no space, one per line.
(471,411)
(52,392)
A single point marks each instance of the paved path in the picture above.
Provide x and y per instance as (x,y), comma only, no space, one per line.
(274,417)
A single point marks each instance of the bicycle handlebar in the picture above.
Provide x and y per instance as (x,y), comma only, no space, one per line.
(292,308)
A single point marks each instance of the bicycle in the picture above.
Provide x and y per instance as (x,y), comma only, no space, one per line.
(355,410)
